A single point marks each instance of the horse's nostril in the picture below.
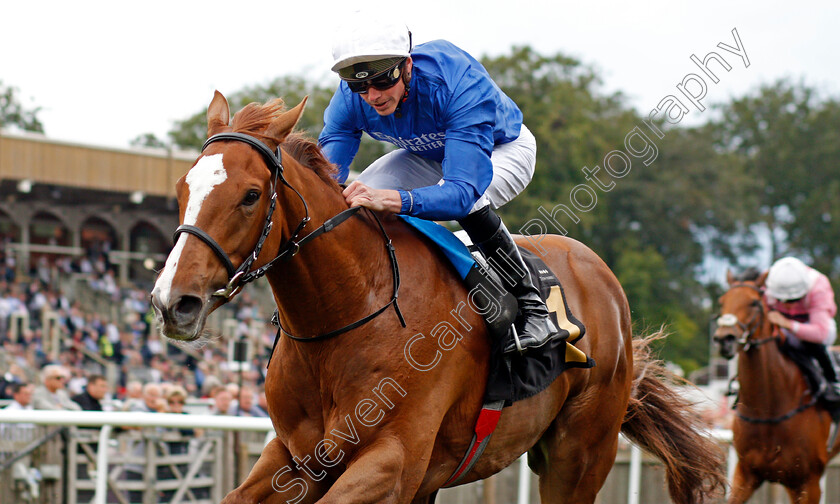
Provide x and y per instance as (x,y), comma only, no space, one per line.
(187,309)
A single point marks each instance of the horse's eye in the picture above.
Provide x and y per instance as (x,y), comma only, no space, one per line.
(250,198)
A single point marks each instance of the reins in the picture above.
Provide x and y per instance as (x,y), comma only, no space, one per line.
(275,319)
(239,277)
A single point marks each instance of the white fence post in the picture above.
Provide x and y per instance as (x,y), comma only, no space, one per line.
(101,495)
(822,488)
(635,484)
(524,480)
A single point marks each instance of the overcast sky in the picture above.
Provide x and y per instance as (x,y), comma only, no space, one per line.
(106,72)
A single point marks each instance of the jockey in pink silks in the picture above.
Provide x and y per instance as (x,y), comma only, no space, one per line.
(802,303)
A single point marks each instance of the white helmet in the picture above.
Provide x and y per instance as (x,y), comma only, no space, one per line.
(365,37)
(789,278)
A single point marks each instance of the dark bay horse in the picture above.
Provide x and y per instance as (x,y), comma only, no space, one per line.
(383,413)
(778,431)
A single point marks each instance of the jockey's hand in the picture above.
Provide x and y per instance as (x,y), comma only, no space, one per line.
(780,320)
(358,194)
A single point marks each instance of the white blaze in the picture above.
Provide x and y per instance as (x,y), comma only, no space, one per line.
(207,173)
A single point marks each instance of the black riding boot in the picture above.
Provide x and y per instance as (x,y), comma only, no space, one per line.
(535,328)
(830,370)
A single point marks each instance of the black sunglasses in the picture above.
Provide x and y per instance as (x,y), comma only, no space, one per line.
(384,81)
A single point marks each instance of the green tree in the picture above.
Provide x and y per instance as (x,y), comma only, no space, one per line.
(785,135)
(148,140)
(14,113)
(815,226)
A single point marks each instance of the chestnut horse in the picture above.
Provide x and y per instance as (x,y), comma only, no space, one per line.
(367,410)
(779,432)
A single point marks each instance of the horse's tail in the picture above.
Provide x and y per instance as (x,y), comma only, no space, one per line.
(662,422)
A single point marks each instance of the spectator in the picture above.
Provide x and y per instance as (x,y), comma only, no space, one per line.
(176,398)
(151,395)
(221,402)
(21,400)
(211,383)
(161,406)
(21,396)
(12,376)
(52,394)
(133,394)
(246,405)
(95,391)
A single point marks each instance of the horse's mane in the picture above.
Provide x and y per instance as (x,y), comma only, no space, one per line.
(255,118)
(308,153)
(750,274)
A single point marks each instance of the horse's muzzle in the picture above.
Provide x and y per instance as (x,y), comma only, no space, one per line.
(183,319)
(727,344)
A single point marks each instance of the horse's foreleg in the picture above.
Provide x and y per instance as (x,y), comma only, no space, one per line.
(275,478)
(744,484)
(380,475)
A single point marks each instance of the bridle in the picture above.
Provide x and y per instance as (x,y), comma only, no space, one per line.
(243,275)
(239,277)
(751,326)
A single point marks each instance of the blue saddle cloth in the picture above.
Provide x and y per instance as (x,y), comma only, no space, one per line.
(453,248)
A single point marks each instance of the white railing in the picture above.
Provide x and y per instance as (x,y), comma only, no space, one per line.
(108,420)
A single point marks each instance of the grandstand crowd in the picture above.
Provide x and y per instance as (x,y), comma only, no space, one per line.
(150,375)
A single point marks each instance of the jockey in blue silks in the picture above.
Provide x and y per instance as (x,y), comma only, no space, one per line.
(462,148)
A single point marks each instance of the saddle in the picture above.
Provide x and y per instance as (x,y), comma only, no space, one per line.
(514,377)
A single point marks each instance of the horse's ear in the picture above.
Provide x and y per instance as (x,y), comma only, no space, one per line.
(761,279)
(218,114)
(280,128)
(730,278)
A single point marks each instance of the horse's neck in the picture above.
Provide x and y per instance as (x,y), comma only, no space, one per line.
(767,379)
(336,278)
